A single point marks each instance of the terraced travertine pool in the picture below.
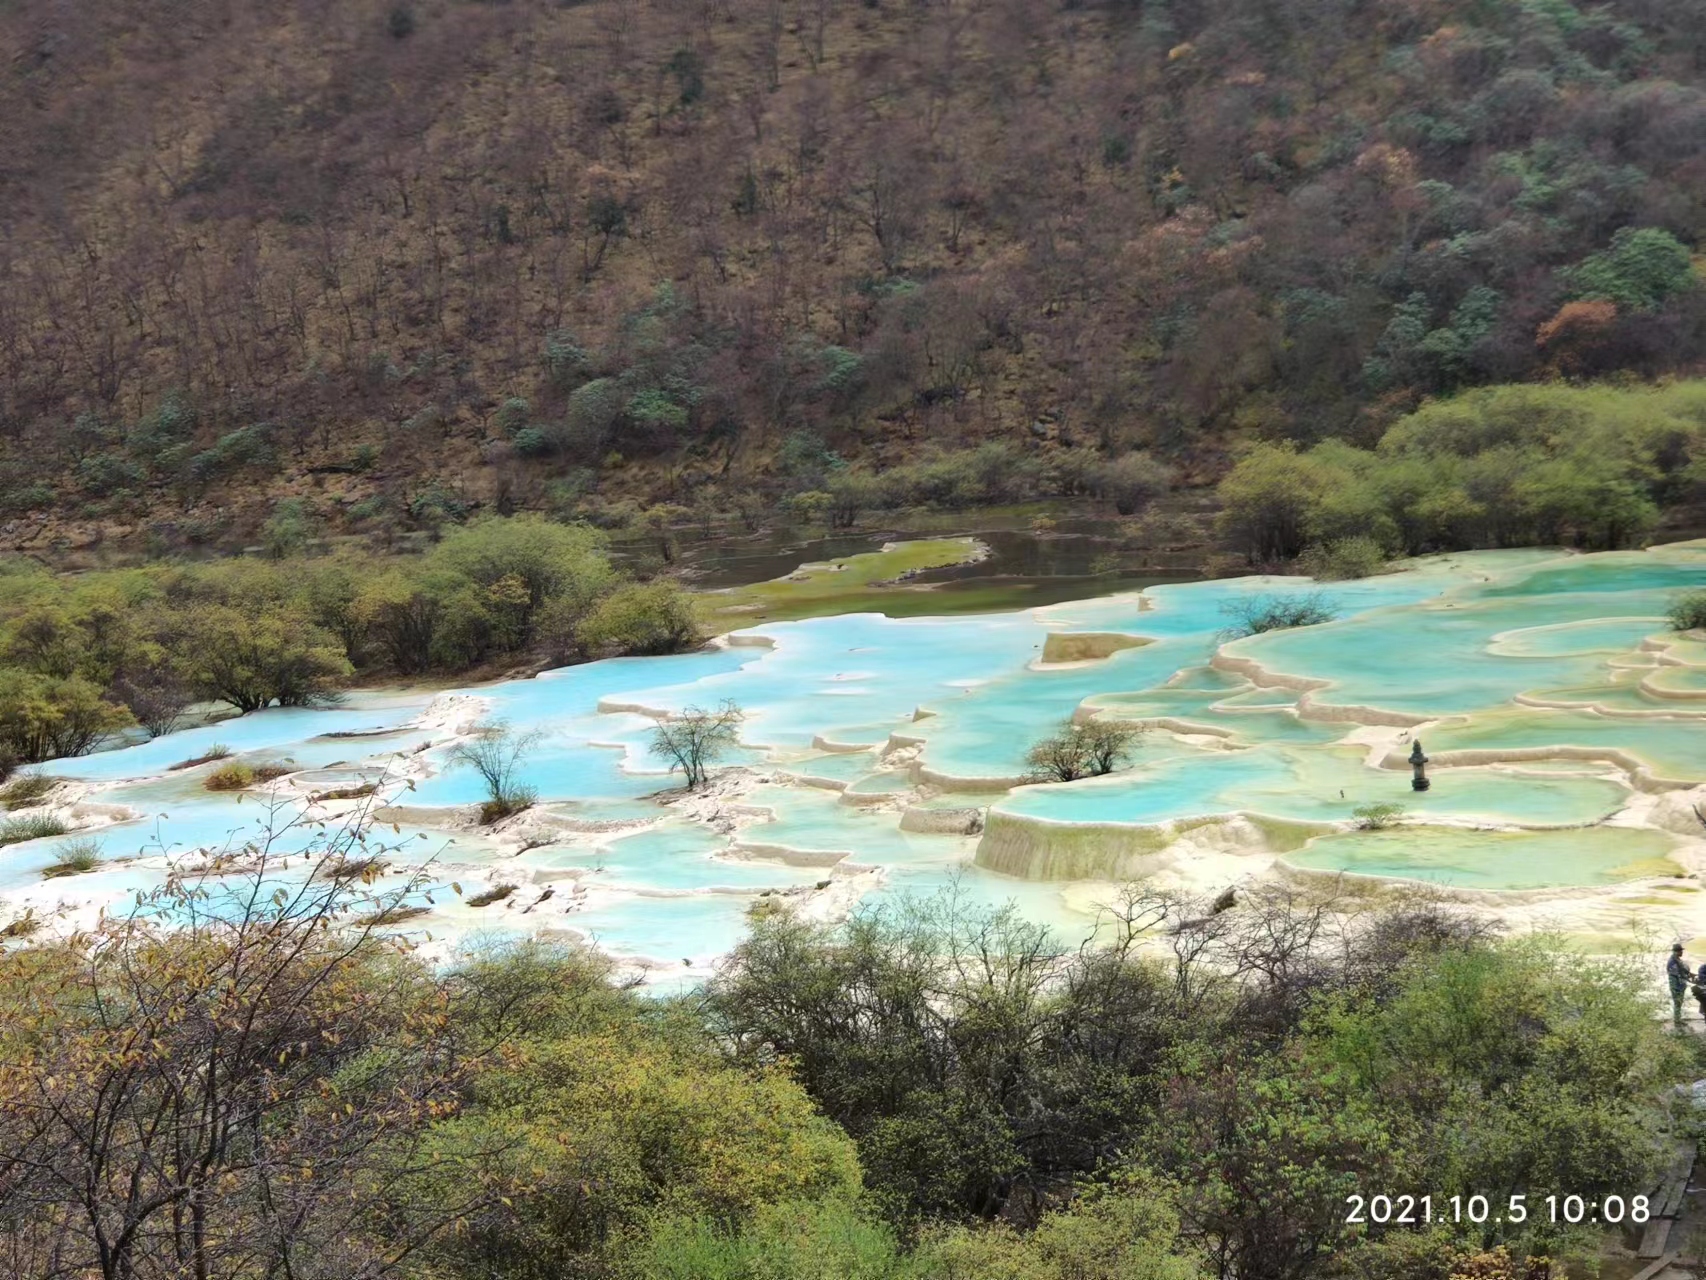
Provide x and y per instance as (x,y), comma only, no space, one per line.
(880,756)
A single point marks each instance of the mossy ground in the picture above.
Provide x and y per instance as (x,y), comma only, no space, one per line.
(850,584)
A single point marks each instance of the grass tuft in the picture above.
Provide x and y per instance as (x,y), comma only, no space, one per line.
(396,915)
(27,789)
(497,893)
(367,870)
(1378,817)
(517,799)
(34,827)
(231,777)
(344,793)
(218,751)
(74,858)
(237,776)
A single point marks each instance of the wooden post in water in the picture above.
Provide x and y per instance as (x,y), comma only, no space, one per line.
(1419,766)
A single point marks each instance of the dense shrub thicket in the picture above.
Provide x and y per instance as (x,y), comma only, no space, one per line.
(1497,467)
(241,1084)
(83,656)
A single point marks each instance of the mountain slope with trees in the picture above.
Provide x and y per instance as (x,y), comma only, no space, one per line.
(398,259)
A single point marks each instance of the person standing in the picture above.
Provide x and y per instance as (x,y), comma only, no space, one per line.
(1679,974)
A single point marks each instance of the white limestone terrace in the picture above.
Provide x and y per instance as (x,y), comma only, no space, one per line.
(882,756)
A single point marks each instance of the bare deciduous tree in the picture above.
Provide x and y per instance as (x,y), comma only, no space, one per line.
(237,1078)
(496,752)
(695,739)
(1082,749)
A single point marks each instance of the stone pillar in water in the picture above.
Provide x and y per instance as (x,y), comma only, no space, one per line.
(1419,767)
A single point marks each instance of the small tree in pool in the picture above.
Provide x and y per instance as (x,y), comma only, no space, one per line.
(1086,749)
(1252,615)
(495,753)
(1378,817)
(695,739)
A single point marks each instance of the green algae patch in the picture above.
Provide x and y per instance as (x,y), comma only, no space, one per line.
(1031,850)
(853,584)
(1465,858)
(1668,747)
(1062,851)
(1087,646)
(1285,837)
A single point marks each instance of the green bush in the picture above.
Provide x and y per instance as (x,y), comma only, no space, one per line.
(814,506)
(1688,611)
(288,529)
(972,1057)
(610,1121)
(1347,558)
(1269,500)
(806,460)
(484,588)
(22,499)
(512,415)
(1125,1229)
(254,632)
(218,751)
(254,656)
(532,442)
(566,361)
(436,505)
(796,1240)
(1130,482)
(1642,267)
(496,754)
(1496,467)
(591,417)
(250,446)
(103,474)
(653,618)
(162,438)
(850,492)
(47,717)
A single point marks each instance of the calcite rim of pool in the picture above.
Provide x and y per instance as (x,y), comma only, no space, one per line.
(1475,652)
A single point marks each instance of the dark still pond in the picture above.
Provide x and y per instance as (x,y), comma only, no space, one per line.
(1075,560)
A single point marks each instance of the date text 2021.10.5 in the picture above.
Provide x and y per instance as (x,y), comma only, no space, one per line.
(1408,1210)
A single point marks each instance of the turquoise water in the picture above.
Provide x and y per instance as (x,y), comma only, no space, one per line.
(1313,786)
(275,733)
(945,709)
(675,857)
(813,821)
(1670,747)
(696,929)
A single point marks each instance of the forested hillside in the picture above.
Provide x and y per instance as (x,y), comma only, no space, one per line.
(404,258)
